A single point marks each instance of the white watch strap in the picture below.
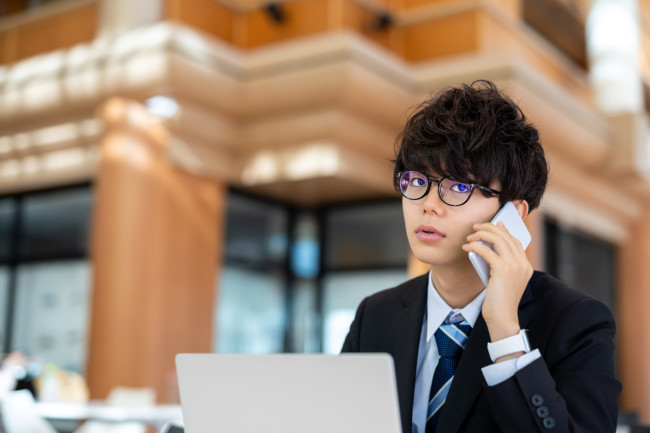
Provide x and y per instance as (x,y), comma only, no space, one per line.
(507,346)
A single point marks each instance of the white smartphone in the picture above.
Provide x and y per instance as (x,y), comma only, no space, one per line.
(509,216)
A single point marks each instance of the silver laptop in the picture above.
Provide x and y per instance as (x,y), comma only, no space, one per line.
(288,393)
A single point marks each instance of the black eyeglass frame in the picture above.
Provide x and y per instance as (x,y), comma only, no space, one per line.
(430,180)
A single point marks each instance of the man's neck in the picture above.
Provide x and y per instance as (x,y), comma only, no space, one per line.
(457,286)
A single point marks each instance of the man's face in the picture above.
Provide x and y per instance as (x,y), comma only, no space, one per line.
(436,231)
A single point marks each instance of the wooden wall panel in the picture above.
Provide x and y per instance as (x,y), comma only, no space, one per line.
(407,4)
(205,15)
(392,4)
(560,25)
(498,37)
(5,55)
(14,6)
(513,7)
(633,320)
(303,18)
(397,5)
(363,20)
(453,34)
(51,33)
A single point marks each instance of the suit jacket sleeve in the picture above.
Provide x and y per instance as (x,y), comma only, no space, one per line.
(351,343)
(572,388)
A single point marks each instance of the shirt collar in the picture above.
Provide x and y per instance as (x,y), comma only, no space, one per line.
(438,309)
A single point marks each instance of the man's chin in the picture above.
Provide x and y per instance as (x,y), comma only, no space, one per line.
(435,260)
(440,259)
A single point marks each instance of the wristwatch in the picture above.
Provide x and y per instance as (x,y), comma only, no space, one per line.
(516,343)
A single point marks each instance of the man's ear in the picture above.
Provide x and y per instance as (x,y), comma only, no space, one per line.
(522,208)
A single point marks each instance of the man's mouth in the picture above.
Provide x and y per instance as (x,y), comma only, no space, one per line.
(429,233)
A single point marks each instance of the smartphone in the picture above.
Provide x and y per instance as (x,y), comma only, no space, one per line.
(509,216)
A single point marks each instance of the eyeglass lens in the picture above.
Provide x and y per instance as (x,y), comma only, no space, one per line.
(414,185)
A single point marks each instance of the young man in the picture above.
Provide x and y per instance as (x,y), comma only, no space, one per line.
(462,155)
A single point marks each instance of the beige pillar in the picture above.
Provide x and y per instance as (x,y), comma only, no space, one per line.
(120,16)
(633,320)
(155,251)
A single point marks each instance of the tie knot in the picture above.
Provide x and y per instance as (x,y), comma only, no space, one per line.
(451,339)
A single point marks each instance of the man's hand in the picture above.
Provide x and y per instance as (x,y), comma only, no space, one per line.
(510,272)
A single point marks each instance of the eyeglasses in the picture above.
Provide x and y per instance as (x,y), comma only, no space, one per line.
(414,185)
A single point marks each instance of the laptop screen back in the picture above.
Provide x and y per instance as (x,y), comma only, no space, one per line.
(288,393)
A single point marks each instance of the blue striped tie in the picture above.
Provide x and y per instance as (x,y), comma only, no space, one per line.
(451,339)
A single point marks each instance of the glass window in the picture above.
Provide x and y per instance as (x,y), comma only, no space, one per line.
(56,224)
(304,333)
(7,211)
(343,292)
(272,295)
(251,292)
(256,232)
(52,312)
(250,311)
(581,261)
(366,236)
(305,251)
(4,293)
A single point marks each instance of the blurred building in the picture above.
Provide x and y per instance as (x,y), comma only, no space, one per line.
(199,175)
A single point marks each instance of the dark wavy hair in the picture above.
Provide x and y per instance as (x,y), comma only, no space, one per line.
(475,133)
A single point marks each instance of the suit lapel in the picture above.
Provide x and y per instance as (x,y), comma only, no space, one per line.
(468,380)
(406,339)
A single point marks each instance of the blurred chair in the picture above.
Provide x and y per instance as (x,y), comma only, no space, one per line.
(19,414)
(122,397)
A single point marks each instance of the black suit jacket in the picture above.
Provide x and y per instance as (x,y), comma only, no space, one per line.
(572,388)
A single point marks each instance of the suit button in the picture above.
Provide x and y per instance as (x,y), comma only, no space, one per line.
(542,411)
(549,422)
(537,400)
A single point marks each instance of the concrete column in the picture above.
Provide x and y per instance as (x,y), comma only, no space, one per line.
(156,247)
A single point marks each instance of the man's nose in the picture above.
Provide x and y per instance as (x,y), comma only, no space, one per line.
(432,202)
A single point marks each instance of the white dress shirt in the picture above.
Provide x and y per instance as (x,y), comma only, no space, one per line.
(435,314)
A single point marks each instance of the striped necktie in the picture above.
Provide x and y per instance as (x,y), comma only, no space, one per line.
(451,339)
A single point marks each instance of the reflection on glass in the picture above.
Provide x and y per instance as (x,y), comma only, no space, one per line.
(304,318)
(581,261)
(250,312)
(256,231)
(6,221)
(4,292)
(343,292)
(52,312)
(56,224)
(305,251)
(364,236)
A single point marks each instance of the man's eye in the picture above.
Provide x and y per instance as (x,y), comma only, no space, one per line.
(461,187)
(418,182)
